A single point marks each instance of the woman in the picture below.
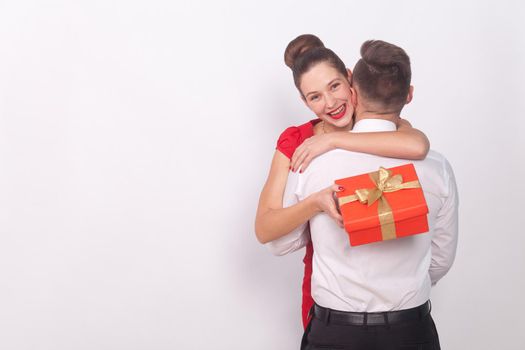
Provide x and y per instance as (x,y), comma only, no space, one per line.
(297,146)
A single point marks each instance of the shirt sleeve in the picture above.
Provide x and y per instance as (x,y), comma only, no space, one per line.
(445,235)
(300,236)
(289,140)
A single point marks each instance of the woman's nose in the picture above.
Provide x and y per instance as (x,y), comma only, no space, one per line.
(330,101)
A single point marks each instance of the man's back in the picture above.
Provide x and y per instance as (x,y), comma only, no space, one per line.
(382,276)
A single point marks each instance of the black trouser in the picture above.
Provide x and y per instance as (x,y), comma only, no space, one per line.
(415,333)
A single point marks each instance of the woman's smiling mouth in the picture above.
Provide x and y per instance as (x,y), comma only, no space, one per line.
(339,112)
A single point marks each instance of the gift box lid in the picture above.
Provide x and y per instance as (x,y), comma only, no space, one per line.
(405,203)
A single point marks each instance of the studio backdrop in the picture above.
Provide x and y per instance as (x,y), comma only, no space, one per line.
(136,136)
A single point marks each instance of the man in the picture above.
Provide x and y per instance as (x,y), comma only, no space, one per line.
(375,296)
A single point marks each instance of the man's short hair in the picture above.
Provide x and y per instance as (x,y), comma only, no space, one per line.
(383,74)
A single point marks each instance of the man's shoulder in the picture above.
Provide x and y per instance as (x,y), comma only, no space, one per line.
(438,161)
(435,156)
(435,173)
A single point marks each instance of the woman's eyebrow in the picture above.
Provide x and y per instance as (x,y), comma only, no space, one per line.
(333,81)
(311,92)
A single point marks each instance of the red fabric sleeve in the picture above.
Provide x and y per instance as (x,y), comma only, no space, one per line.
(293,136)
(289,140)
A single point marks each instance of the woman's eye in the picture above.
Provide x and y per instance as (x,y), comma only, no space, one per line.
(314,98)
(335,86)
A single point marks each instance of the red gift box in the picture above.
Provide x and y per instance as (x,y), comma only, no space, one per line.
(383,205)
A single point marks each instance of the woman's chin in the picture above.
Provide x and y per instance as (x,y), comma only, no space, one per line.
(342,123)
(333,128)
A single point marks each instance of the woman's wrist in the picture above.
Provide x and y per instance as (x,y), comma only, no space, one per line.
(313,204)
(335,139)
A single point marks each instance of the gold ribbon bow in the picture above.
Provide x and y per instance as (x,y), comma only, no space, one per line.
(384,182)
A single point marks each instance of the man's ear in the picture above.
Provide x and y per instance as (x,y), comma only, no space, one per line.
(349,74)
(353,98)
(410,94)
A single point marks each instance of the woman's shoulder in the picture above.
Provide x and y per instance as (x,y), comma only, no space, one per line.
(293,136)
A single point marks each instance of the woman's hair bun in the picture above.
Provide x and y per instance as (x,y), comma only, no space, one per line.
(300,45)
(306,51)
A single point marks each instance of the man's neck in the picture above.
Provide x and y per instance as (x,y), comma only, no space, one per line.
(393,117)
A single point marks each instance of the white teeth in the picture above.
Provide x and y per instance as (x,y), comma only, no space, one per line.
(339,110)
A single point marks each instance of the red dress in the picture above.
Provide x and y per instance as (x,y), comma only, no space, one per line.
(288,142)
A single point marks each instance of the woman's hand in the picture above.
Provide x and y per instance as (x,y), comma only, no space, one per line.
(325,201)
(309,149)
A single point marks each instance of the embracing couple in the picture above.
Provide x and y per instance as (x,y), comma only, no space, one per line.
(372,296)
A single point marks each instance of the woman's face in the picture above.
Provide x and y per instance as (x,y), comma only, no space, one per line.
(328,94)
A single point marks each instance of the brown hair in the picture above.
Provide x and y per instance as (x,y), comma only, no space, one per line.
(307,50)
(383,74)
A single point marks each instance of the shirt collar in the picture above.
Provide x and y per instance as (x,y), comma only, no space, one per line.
(371,125)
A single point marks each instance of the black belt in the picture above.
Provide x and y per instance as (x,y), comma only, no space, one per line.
(370,318)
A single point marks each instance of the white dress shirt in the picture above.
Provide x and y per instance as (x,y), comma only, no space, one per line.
(381,276)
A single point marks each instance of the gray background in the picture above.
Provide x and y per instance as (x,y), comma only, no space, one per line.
(135,138)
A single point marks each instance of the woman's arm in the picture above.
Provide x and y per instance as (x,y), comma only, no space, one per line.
(406,142)
(272,221)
